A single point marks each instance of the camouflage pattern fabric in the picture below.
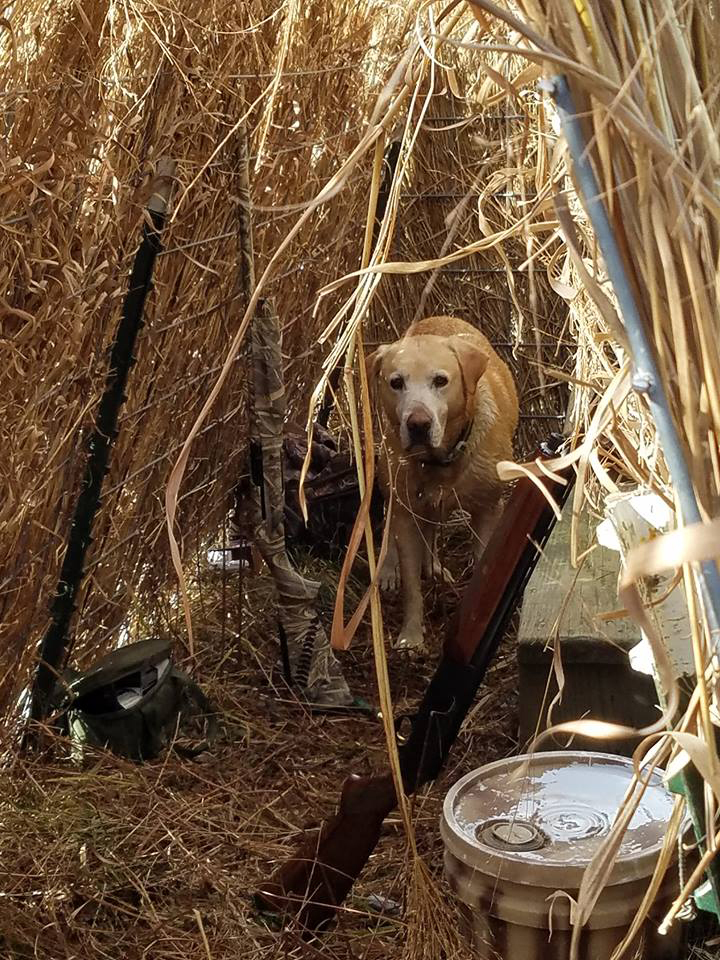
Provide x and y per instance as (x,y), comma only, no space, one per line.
(313,665)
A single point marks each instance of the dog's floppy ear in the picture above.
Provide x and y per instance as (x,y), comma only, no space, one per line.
(472,360)
(372,364)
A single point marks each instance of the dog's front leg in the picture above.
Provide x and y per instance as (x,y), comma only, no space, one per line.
(411,549)
(390,570)
(430,557)
(483,525)
(432,565)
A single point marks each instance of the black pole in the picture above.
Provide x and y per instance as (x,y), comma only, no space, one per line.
(54,644)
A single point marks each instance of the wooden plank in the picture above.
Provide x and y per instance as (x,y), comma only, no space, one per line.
(575,596)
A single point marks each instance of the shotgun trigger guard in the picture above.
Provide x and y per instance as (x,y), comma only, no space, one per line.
(435,726)
(422,761)
(401,720)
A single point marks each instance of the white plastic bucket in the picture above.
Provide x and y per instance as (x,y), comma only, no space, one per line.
(512,842)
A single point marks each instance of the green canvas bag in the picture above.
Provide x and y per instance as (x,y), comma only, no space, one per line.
(136,703)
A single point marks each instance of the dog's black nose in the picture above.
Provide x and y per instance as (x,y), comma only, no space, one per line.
(418,426)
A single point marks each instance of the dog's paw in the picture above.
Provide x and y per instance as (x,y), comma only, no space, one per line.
(441,573)
(390,577)
(412,640)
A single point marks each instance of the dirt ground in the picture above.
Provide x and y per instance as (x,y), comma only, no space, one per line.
(160,860)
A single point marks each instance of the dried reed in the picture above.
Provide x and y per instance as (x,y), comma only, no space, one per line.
(89,103)
(100,92)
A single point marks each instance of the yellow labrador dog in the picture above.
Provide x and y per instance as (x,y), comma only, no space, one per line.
(450,410)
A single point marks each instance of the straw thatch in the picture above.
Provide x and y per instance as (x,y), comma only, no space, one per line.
(92,97)
(90,105)
(642,82)
(95,94)
(92,101)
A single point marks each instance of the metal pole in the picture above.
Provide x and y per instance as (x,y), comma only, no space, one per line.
(646,377)
(647,381)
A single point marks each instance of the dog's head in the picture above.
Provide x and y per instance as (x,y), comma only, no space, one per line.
(427,387)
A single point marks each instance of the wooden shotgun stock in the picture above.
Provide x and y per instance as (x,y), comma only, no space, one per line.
(314,883)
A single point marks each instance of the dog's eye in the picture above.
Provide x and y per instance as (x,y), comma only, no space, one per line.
(397,382)
(440,380)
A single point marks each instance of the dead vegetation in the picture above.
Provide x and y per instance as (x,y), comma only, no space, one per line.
(90,104)
(93,95)
(159,860)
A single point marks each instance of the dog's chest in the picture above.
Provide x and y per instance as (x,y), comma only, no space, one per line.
(432,492)
(435,492)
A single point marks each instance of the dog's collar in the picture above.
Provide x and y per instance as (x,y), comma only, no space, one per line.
(453,453)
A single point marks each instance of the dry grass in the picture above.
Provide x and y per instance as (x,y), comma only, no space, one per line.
(117,858)
(160,860)
(94,96)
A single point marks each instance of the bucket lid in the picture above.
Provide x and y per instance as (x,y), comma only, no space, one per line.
(544,826)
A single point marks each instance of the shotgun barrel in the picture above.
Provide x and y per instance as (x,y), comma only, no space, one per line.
(313,884)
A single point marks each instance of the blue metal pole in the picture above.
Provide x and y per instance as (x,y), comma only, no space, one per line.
(647,381)
(646,377)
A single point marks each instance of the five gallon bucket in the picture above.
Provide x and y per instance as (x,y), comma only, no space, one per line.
(512,842)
